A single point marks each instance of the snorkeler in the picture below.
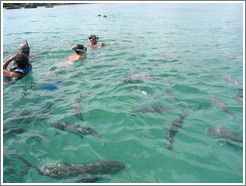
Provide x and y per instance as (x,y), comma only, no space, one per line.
(80,53)
(93,41)
(25,49)
(23,67)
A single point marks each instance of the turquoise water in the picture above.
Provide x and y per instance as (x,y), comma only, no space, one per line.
(173,55)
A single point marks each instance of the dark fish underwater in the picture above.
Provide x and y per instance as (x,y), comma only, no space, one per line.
(79,130)
(173,129)
(84,171)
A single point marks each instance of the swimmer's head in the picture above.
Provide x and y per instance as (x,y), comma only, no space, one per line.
(21,60)
(93,39)
(24,49)
(80,49)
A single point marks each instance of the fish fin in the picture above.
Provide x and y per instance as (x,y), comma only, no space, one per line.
(37,138)
(80,116)
(24,160)
(24,172)
(57,133)
(29,166)
(156,179)
(66,163)
(90,179)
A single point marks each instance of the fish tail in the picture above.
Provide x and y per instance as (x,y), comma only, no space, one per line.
(29,166)
(156,179)
(24,160)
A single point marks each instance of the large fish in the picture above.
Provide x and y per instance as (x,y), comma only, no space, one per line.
(14,131)
(224,133)
(221,105)
(79,130)
(173,129)
(81,171)
(149,109)
(78,108)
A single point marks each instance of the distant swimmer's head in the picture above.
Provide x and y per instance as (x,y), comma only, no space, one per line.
(80,49)
(24,49)
(22,60)
(93,39)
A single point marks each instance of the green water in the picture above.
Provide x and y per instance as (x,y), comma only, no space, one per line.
(177,55)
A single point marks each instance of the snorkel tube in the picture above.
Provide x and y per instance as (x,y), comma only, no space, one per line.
(27,44)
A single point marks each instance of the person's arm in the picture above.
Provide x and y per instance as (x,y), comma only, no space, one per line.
(102,44)
(5,65)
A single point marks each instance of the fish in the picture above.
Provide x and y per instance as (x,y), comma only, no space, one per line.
(138,78)
(221,105)
(77,108)
(173,129)
(232,81)
(79,130)
(224,133)
(149,109)
(14,131)
(47,109)
(82,170)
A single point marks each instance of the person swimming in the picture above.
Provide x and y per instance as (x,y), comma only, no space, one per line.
(24,49)
(22,68)
(80,51)
(93,41)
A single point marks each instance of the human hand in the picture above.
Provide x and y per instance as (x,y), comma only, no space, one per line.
(12,57)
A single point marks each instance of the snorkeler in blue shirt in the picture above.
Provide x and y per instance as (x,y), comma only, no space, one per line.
(22,68)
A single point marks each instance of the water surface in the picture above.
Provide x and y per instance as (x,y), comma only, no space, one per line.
(173,55)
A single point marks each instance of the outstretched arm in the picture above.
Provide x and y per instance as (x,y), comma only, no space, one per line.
(5,65)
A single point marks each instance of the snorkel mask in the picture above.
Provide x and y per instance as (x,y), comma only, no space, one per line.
(80,50)
(25,49)
(93,37)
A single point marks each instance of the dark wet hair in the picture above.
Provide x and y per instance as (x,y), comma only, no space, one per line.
(79,48)
(22,60)
(92,35)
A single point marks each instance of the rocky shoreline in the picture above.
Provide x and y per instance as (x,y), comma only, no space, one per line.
(33,5)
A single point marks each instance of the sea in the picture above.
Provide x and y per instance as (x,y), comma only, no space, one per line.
(167,73)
